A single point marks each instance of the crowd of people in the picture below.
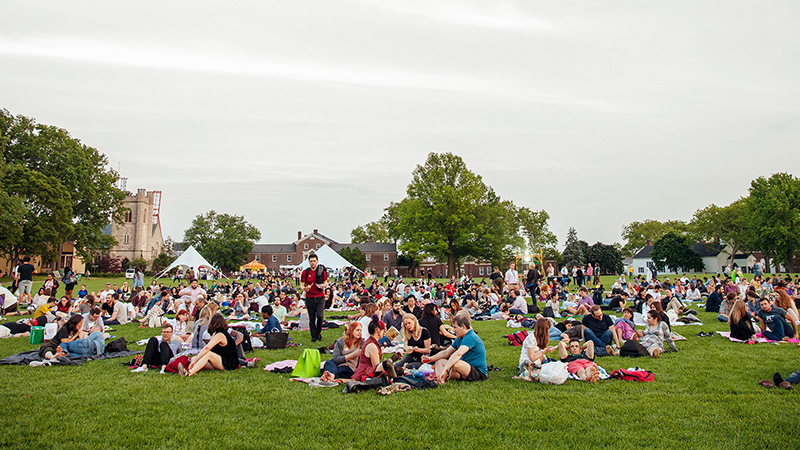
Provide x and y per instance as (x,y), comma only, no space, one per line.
(598,322)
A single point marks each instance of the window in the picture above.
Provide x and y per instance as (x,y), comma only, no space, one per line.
(317,245)
(305,246)
(641,269)
(368,255)
(144,217)
(129,216)
(480,270)
(126,239)
(274,258)
(257,258)
(385,256)
(288,258)
(385,269)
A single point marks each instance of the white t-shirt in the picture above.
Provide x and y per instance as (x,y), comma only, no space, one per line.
(529,342)
(122,312)
(262,301)
(512,277)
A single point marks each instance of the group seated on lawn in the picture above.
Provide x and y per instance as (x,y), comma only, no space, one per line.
(430,322)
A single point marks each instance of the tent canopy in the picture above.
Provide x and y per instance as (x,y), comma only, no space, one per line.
(189,258)
(254,265)
(329,258)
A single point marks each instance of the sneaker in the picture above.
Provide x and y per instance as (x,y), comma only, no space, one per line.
(656,353)
(777,379)
(162,371)
(37,363)
(139,369)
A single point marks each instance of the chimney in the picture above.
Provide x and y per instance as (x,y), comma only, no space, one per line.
(316,231)
(299,235)
(649,242)
(371,240)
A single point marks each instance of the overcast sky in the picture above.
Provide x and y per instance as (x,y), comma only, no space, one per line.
(312,114)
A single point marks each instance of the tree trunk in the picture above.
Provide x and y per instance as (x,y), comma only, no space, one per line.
(451,264)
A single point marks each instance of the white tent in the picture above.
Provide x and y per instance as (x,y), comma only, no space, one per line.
(328,258)
(189,258)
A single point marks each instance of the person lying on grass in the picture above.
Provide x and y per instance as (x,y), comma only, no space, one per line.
(570,329)
(158,354)
(369,361)
(346,352)
(534,348)
(218,354)
(579,359)
(21,328)
(779,381)
(465,359)
(774,325)
(70,339)
(655,334)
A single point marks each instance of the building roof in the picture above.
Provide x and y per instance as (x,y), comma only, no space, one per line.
(704,249)
(274,248)
(368,247)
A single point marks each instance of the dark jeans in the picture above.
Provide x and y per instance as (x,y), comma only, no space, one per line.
(156,354)
(342,371)
(316,316)
(408,359)
(599,343)
(778,330)
(110,322)
(794,378)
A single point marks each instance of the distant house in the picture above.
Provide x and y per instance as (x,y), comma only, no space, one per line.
(715,257)
(379,256)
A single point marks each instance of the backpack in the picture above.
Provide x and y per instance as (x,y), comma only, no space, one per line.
(548,312)
(633,349)
(137,360)
(633,374)
(516,339)
(318,276)
(117,345)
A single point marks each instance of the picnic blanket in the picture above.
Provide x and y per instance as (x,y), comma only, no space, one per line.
(603,374)
(25,358)
(758,338)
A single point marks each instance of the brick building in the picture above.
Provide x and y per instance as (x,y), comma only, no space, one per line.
(379,256)
(475,269)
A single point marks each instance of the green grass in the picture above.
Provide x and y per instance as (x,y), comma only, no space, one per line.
(704,396)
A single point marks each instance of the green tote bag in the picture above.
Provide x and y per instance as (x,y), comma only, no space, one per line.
(308,365)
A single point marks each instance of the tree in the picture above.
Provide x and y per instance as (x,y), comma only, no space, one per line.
(162,261)
(378,231)
(534,229)
(774,218)
(449,213)
(673,251)
(224,239)
(608,256)
(140,262)
(573,250)
(12,214)
(636,234)
(71,170)
(729,224)
(354,256)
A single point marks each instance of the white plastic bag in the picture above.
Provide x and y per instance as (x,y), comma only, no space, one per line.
(50,330)
(553,373)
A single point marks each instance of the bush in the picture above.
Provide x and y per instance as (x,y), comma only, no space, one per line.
(108,264)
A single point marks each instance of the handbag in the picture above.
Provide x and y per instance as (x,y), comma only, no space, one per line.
(553,373)
(308,365)
(276,340)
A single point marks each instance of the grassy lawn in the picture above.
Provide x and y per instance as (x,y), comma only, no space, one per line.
(704,396)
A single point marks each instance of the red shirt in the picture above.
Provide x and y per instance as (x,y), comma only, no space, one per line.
(309,278)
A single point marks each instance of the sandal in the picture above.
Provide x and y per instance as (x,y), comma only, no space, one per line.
(767,384)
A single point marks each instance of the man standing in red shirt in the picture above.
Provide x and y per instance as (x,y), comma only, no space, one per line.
(313,281)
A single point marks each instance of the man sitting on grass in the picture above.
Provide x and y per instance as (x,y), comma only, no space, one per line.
(600,330)
(465,359)
(158,354)
(518,303)
(270,322)
(774,325)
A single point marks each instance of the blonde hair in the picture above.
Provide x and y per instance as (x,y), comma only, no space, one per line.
(738,310)
(205,315)
(417,328)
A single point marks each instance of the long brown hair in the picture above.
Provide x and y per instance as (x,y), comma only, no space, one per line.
(541,331)
(738,310)
(783,301)
(349,338)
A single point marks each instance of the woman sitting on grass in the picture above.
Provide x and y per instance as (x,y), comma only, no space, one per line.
(240,308)
(440,334)
(180,326)
(741,325)
(785,302)
(346,351)
(655,334)
(63,308)
(218,354)
(417,342)
(369,361)
(533,349)
(201,326)
(624,327)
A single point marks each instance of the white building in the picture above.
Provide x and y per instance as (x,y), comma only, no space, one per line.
(715,257)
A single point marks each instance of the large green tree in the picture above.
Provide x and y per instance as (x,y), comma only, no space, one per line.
(774,218)
(534,228)
(449,213)
(672,250)
(574,254)
(72,180)
(378,231)
(725,224)
(636,234)
(355,257)
(224,239)
(608,256)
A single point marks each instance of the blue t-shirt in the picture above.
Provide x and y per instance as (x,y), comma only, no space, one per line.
(272,325)
(476,355)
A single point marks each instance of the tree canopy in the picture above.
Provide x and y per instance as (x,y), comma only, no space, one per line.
(378,231)
(63,186)
(608,256)
(673,250)
(574,254)
(354,256)
(774,219)
(637,233)
(224,239)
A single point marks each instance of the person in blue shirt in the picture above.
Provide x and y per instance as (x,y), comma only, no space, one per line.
(465,359)
(271,323)
(83,292)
